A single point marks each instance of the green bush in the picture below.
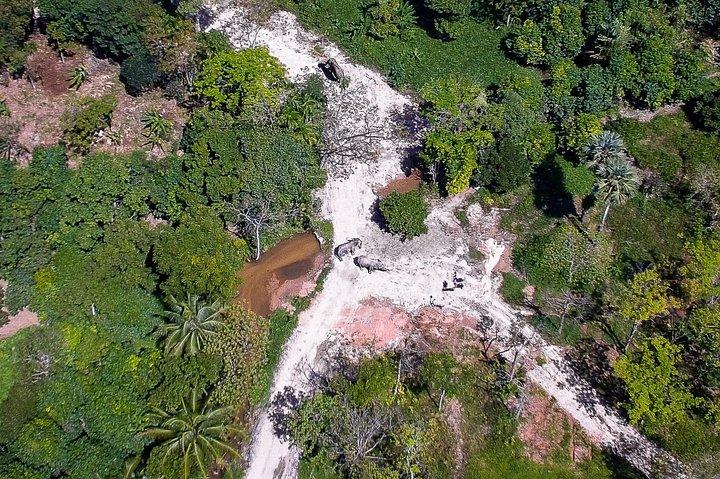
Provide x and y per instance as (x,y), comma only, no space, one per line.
(139,72)
(512,289)
(405,213)
(82,122)
(199,257)
(241,81)
(15,24)
(577,180)
(707,109)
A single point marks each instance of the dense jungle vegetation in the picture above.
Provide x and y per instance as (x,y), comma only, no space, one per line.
(141,344)
(131,259)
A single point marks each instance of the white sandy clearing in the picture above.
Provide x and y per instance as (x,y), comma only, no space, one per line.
(418,267)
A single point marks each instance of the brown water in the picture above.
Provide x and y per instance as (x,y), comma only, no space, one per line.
(294,258)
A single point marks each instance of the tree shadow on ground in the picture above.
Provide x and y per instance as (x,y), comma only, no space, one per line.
(548,191)
(593,373)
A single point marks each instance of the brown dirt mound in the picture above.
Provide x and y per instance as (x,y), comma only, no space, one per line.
(288,270)
(402,184)
(374,324)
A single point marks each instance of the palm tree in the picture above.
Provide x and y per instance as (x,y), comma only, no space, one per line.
(78,77)
(190,324)
(617,182)
(195,432)
(604,147)
(156,128)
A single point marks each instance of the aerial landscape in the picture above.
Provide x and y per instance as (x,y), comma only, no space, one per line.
(359,239)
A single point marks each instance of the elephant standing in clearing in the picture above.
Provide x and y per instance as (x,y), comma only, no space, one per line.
(334,69)
(370,264)
(349,247)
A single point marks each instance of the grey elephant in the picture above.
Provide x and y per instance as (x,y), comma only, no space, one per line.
(334,69)
(370,264)
(349,247)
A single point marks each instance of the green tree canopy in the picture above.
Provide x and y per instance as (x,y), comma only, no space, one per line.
(405,213)
(241,81)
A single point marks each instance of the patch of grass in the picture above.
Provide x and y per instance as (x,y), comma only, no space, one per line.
(668,144)
(414,58)
(462,217)
(476,255)
(282,325)
(512,289)
(549,328)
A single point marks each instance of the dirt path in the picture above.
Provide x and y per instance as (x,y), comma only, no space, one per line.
(418,267)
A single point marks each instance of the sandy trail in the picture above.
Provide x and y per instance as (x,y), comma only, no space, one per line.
(418,267)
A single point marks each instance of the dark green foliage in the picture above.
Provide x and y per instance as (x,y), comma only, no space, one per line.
(111,27)
(82,122)
(507,168)
(447,14)
(405,213)
(707,109)
(16,18)
(512,289)
(139,72)
(199,257)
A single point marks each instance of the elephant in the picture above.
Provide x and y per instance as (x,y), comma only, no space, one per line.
(332,68)
(349,247)
(370,264)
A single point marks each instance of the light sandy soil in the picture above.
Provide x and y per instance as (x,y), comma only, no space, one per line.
(15,322)
(417,267)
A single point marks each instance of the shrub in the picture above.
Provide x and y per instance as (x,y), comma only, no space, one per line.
(82,122)
(389,18)
(199,257)
(139,72)
(512,289)
(405,213)
(509,166)
(707,109)
(576,180)
(15,25)
(580,130)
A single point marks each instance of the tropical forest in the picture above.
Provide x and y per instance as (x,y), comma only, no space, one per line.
(359,239)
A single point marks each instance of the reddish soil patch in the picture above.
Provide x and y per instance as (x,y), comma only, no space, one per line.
(379,325)
(21,320)
(374,324)
(36,113)
(402,184)
(545,429)
(288,270)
